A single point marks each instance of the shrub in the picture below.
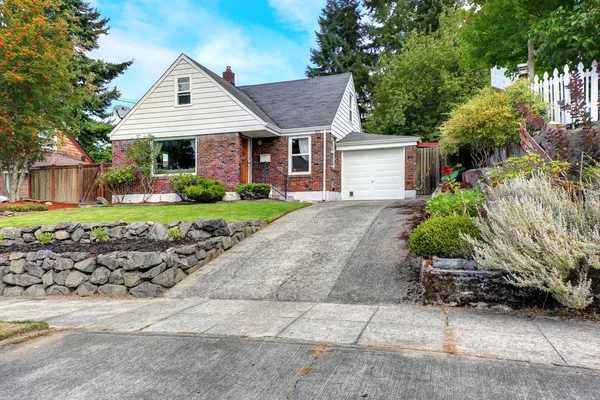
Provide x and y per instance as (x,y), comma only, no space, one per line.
(440,236)
(488,121)
(175,233)
(207,191)
(543,236)
(253,190)
(100,234)
(24,208)
(142,157)
(181,181)
(526,166)
(45,238)
(462,202)
(119,181)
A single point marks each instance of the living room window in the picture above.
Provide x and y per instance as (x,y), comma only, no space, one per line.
(184,91)
(299,151)
(175,156)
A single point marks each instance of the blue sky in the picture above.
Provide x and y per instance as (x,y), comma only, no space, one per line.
(263,40)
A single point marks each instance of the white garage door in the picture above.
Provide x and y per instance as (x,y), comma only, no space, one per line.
(373,174)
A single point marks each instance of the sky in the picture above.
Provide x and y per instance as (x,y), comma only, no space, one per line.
(262,40)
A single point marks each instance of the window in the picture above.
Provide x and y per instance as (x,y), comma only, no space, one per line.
(184,93)
(175,156)
(299,155)
(351,107)
(332,152)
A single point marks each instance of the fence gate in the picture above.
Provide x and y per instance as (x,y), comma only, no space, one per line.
(429,164)
(68,184)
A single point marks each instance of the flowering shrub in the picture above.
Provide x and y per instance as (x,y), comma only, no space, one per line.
(526,166)
(451,174)
(542,237)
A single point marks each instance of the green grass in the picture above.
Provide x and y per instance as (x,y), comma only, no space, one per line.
(12,328)
(230,212)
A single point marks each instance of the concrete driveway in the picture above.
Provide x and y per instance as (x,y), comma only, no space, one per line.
(342,252)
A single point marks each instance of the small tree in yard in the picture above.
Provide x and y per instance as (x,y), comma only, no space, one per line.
(36,71)
(141,156)
(119,181)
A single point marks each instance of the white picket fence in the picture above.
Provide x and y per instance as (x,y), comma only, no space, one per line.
(553,89)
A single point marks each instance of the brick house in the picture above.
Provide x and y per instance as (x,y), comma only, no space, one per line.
(304,134)
(64,150)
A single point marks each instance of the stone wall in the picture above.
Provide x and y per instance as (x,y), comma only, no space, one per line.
(141,274)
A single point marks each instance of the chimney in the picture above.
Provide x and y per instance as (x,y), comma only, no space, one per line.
(229,76)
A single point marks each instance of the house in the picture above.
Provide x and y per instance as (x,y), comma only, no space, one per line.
(64,150)
(302,136)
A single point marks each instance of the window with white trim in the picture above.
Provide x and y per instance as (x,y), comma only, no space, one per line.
(300,155)
(332,152)
(184,90)
(175,156)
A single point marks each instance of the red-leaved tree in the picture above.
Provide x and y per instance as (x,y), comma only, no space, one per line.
(37,98)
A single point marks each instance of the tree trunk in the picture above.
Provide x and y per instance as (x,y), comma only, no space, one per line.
(530,61)
(16,177)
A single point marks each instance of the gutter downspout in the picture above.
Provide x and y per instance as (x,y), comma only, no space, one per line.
(324,165)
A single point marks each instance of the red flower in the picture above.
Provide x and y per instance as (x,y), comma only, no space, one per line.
(1,44)
(446,170)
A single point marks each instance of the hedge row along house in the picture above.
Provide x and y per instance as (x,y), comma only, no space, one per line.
(304,137)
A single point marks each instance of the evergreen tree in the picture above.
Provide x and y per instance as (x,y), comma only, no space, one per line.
(88,25)
(340,41)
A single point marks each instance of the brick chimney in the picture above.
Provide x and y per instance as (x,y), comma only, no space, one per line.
(229,76)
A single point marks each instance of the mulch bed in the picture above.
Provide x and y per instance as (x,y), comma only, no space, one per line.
(144,245)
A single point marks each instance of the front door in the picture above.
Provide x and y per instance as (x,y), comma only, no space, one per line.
(245,158)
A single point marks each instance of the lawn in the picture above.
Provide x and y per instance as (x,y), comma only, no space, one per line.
(11,328)
(266,211)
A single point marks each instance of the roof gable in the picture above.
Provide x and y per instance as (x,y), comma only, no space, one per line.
(311,102)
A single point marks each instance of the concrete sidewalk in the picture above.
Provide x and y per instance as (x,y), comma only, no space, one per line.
(404,326)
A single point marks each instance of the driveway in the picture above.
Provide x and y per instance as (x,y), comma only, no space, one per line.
(342,252)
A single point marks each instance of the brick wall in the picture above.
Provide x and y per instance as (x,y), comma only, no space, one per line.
(219,156)
(410,167)
(334,174)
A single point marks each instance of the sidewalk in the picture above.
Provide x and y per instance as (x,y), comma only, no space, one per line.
(434,329)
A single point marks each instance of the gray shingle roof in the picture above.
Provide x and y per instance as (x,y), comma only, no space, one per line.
(300,103)
(237,93)
(358,137)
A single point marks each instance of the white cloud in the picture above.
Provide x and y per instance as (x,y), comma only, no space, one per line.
(303,14)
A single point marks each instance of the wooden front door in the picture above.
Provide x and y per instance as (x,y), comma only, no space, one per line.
(245,158)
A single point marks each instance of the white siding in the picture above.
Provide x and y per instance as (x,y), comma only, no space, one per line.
(212,110)
(342,125)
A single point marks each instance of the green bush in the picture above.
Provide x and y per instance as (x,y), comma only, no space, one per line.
(440,236)
(253,190)
(463,202)
(206,191)
(100,234)
(488,121)
(181,181)
(119,181)
(45,238)
(526,166)
(24,208)
(175,233)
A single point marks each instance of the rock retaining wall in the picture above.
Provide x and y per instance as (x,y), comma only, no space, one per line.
(459,282)
(141,274)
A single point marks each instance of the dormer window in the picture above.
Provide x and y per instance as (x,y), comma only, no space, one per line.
(184,92)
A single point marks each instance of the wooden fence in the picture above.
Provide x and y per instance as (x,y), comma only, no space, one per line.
(68,184)
(553,89)
(429,166)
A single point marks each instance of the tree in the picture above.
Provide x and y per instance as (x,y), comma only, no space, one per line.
(340,41)
(416,88)
(393,21)
(91,119)
(561,31)
(36,75)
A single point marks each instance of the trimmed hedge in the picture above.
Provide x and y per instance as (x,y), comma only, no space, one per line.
(24,208)
(253,190)
(440,236)
(206,191)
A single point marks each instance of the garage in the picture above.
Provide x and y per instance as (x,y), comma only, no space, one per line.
(376,167)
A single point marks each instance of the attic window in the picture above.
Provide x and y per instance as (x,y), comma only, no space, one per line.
(184,93)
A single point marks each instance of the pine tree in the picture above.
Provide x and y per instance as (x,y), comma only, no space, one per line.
(340,41)
(88,25)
